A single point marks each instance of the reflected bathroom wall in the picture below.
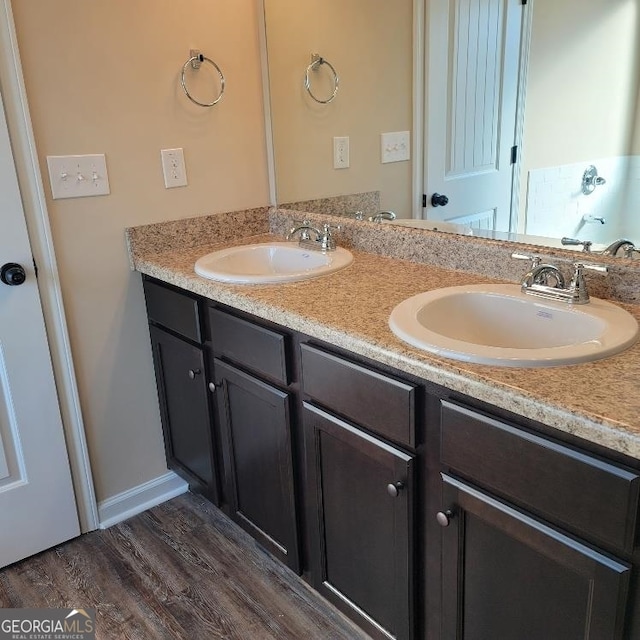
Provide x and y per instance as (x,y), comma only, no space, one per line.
(369,44)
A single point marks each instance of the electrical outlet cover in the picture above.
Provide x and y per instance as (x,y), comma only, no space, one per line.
(173,168)
(341,152)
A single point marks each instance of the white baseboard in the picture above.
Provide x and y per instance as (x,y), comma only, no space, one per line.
(138,499)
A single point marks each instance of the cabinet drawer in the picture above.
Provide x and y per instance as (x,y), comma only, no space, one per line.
(570,488)
(371,399)
(173,310)
(260,349)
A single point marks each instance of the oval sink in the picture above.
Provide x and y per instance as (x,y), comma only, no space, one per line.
(500,325)
(270,262)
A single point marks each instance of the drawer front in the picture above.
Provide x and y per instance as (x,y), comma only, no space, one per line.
(173,310)
(570,488)
(368,398)
(260,349)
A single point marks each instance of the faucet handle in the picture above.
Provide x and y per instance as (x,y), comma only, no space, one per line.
(535,260)
(586,244)
(578,284)
(597,268)
(326,239)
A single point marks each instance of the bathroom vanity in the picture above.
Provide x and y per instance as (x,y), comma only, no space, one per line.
(425,498)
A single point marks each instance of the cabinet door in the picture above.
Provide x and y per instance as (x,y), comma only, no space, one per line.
(507,575)
(361,501)
(256,432)
(184,409)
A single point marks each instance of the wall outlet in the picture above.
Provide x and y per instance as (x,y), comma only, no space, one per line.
(78,176)
(395,146)
(173,168)
(341,152)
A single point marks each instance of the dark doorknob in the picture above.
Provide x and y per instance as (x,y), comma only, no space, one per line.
(439,200)
(12,274)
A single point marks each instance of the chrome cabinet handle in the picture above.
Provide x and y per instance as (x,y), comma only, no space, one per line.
(444,517)
(193,373)
(394,489)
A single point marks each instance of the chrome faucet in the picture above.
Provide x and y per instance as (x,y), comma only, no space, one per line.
(547,281)
(303,229)
(546,275)
(623,243)
(324,240)
(382,215)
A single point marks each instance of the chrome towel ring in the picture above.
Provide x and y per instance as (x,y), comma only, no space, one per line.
(195,61)
(317,61)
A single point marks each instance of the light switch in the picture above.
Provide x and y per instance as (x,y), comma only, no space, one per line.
(78,176)
(395,146)
(173,168)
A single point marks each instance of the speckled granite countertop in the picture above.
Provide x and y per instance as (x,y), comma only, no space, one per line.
(598,401)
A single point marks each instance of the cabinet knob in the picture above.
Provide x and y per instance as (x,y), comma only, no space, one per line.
(394,489)
(444,517)
(193,373)
(212,387)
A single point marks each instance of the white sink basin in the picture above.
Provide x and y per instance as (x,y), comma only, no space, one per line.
(270,262)
(499,325)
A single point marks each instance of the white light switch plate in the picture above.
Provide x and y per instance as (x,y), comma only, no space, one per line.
(173,168)
(78,176)
(395,146)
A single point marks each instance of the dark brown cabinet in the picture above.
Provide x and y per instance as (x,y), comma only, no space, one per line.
(255,426)
(506,574)
(181,381)
(521,518)
(361,499)
(361,489)
(343,469)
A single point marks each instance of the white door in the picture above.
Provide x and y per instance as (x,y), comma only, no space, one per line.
(37,502)
(473,49)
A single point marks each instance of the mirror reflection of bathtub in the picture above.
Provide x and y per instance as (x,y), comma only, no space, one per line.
(465,230)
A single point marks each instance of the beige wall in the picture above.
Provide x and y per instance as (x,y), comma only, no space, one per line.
(369,42)
(583,81)
(102,77)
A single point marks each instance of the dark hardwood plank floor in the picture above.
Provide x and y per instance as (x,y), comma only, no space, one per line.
(179,570)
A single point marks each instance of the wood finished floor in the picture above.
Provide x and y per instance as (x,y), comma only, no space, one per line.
(179,570)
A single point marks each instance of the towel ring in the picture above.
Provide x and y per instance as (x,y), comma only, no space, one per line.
(316,61)
(195,61)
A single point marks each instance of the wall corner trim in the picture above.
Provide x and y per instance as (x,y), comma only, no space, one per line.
(138,499)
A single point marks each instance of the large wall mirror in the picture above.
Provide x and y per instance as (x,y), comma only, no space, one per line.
(573,112)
